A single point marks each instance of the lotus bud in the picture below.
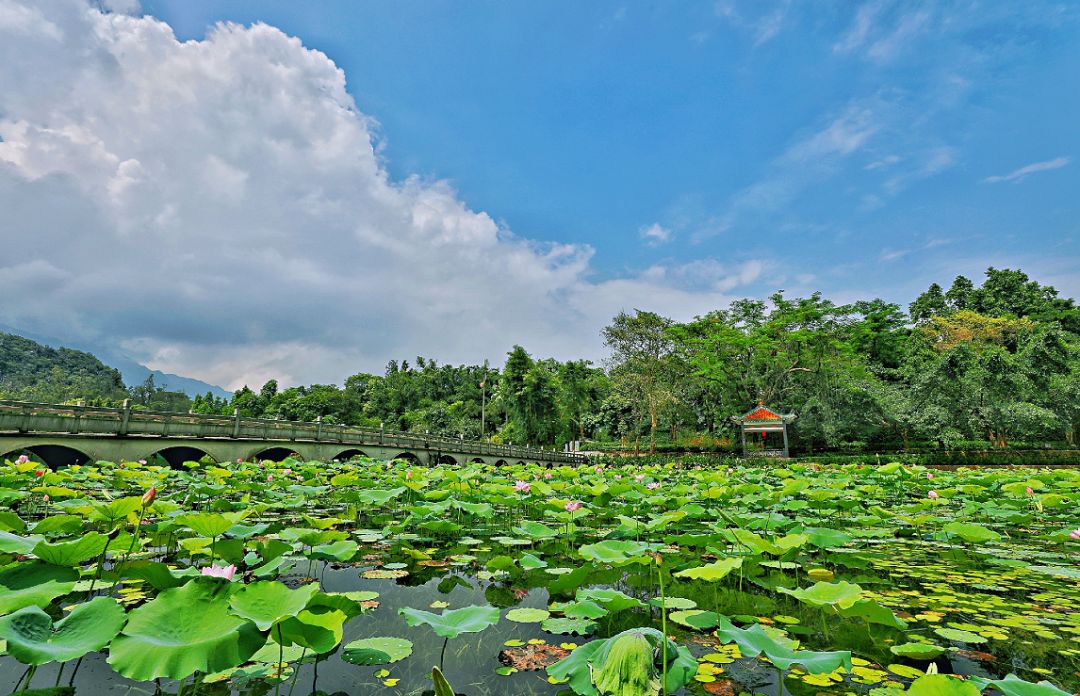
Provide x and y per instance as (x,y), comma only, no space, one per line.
(39,473)
(148,497)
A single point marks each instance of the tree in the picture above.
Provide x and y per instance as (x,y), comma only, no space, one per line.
(929,304)
(644,360)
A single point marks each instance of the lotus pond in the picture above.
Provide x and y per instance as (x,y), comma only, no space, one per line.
(358,577)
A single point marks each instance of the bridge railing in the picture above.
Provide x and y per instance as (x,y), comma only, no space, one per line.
(30,417)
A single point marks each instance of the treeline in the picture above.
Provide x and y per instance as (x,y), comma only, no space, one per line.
(995,363)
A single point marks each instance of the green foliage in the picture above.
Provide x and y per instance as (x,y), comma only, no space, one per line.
(30,371)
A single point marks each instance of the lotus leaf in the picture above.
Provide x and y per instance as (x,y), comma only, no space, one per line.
(971,533)
(617,552)
(755,641)
(376,651)
(184,630)
(74,552)
(618,661)
(266,603)
(33,584)
(824,594)
(713,571)
(318,631)
(33,639)
(942,685)
(527,615)
(452,623)
(1013,685)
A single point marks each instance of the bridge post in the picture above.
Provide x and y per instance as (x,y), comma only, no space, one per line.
(125,418)
(318,428)
(236,423)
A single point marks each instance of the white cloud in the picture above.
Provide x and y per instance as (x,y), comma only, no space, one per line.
(762,26)
(655,234)
(1034,167)
(220,209)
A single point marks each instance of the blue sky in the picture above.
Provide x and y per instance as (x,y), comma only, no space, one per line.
(592,122)
(306,190)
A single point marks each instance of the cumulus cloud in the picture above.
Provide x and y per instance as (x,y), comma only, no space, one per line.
(1034,167)
(219,208)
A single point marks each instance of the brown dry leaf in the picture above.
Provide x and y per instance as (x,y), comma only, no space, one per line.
(532,657)
(721,687)
(976,655)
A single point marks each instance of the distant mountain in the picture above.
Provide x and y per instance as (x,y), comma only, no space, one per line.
(30,371)
(131,371)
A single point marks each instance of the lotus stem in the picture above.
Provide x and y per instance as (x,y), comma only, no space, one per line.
(297,672)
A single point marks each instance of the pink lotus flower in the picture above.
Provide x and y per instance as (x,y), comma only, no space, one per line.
(933,495)
(23,459)
(639,477)
(216,571)
(599,469)
(730,471)
(287,472)
(652,485)
(1075,534)
(548,474)
(239,460)
(929,476)
(572,506)
(1030,491)
(618,476)
(39,473)
(299,477)
(45,497)
(142,461)
(269,478)
(522,486)
(408,474)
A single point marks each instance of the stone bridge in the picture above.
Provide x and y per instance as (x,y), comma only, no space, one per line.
(64,435)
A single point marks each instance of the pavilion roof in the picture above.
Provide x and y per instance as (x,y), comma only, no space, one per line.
(762,413)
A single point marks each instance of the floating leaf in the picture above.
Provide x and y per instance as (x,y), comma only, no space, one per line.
(376,651)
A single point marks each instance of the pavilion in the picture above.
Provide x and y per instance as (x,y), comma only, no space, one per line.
(764,420)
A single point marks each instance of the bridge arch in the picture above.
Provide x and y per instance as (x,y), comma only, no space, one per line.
(446,459)
(51,455)
(501,462)
(275,454)
(477,460)
(174,457)
(345,455)
(409,457)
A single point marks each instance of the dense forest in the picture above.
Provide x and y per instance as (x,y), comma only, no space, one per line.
(994,363)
